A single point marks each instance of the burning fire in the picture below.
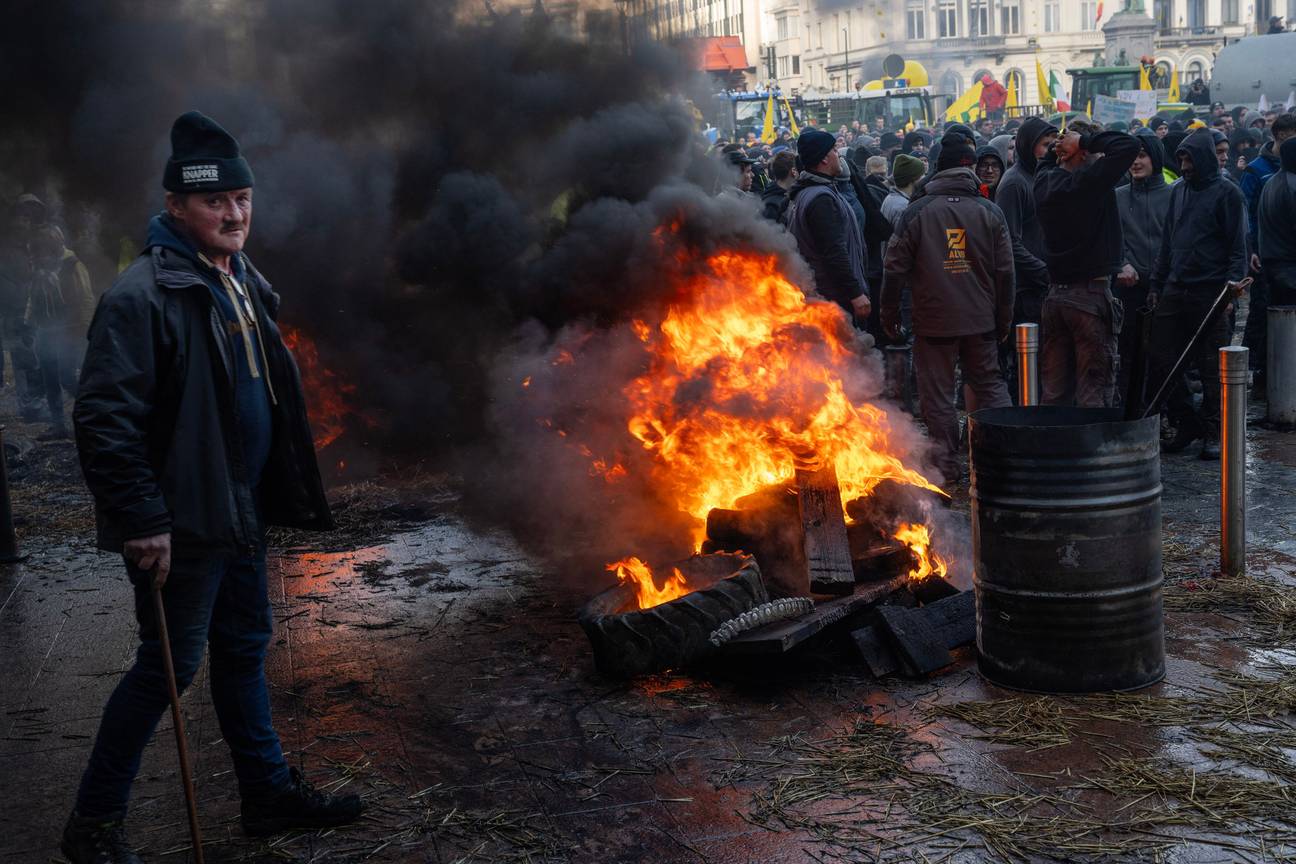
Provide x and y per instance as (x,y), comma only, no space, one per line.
(634,572)
(745,374)
(918,539)
(328,397)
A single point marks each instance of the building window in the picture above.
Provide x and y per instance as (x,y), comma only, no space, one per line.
(1014,79)
(978,17)
(1230,12)
(947,19)
(1196,14)
(952,83)
(782,27)
(1088,14)
(1163,11)
(782,67)
(1052,16)
(916,20)
(796,64)
(1010,18)
(1196,71)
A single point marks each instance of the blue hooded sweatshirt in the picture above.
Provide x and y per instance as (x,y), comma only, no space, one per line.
(254,420)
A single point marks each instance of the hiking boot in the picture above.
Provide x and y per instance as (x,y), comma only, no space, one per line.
(300,807)
(1184,434)
(1210,449)
(97,841)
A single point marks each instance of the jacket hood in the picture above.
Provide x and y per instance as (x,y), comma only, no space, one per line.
(163,232)
(954,181)
(1028,136)
(1152,146)
(993,152)
(773,192)
(808,179)
(1287,155)
(1002,143)
(1200,148)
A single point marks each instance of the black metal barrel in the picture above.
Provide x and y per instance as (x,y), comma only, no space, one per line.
(1066,536)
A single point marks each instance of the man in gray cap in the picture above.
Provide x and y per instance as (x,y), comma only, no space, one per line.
(191,428)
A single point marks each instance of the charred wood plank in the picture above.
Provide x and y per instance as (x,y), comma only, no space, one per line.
(915,641)
(827,549)
(953,620)
(782,636)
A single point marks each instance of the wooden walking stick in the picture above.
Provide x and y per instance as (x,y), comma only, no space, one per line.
(176,721)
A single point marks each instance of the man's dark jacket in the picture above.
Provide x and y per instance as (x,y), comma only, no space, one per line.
(952,248)
(871,190)
(774,204)
(156,418)
(828,237)
(1276,214)
(1143,206)
(1204,241)
(1252,181)
(1077,210)
(1016,199)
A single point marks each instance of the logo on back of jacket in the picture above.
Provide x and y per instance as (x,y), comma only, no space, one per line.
(956,250)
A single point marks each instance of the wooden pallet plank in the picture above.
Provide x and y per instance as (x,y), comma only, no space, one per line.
(782,636)
(953,619)
(827,549)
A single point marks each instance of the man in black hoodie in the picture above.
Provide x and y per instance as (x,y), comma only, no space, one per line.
(1143,205)
(774,200)
(1276,221)
(1015,196)
(1076,201)
(1203,246)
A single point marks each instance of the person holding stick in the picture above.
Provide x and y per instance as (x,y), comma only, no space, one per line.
(192,433)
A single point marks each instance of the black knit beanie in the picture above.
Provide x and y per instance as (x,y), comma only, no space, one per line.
(955,152)
(813,146)
(204,157)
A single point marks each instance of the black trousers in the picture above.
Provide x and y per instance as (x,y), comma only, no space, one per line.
(1179,312)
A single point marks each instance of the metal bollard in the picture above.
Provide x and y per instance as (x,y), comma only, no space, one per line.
(897,376)
(1027,364)
(8,542)
(1233,406)
(1280,366)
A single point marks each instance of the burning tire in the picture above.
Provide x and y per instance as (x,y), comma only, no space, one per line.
(629,641)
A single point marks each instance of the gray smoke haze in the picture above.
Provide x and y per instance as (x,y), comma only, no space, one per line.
(443,202)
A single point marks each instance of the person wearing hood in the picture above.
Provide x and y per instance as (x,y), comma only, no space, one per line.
(827,232)
(774,200)
(989,169)
(952,250)
(1143,204)
(192,434)
(1203,247)
(1004,144)
(1015,197)
(1197,93)
(1263,166)
(1075,197)
(868,182)
(1276,218)
(1255,177)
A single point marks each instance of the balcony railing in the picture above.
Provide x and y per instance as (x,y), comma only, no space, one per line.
(1189,32)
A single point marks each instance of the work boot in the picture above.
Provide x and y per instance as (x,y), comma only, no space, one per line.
(300,807)
(97,841)
(1210,449)
(1186,431)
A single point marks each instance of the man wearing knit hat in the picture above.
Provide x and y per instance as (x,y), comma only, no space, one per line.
(905,174)
(951,248)
(827,232)
(192,432)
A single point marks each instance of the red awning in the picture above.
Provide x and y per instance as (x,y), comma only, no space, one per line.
(723,54)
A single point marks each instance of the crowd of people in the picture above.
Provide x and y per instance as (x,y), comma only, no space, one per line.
(46,303)
(1118,241)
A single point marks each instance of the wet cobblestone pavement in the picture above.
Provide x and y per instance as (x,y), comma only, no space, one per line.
(442,675)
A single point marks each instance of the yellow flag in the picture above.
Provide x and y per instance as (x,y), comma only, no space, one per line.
(1010,101)
(967,107)
(1041,81)
(767,135)
(1144,83)
(1089,108)
(792,124)
(1173,95)
(909,127)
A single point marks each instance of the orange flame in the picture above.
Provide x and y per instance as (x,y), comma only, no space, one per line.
(744,373)
(328,396)
(918,539)
(635,572)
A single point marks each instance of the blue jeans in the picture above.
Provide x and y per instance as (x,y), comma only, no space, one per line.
(220,601)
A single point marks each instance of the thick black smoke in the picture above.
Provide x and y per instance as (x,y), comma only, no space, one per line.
(420,165)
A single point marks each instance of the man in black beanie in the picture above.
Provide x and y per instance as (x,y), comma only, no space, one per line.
(827,232)
(192,432)
(951,248)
